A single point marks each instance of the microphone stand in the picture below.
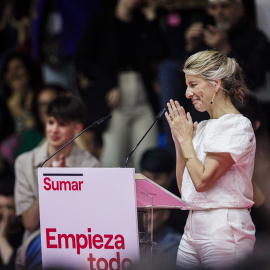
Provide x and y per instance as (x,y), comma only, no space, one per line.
(157,118)
(95,124)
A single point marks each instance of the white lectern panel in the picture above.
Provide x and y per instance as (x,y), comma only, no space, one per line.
(88,218)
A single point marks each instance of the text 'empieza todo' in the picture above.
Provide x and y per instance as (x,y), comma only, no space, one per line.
(55,240)
(79,241)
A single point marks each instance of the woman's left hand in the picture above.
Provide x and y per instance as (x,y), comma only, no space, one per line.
(181,124)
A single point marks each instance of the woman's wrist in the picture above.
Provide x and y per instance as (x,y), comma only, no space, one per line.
(187,148)
(186,159)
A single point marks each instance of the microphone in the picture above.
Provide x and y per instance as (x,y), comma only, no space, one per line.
(157,118)
(95,124)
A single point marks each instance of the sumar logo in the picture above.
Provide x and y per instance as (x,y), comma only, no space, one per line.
(61,185)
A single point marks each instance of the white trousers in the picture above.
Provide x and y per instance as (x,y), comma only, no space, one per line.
(216,238)
(129,123)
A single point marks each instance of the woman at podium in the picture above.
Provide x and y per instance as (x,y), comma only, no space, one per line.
(215,161)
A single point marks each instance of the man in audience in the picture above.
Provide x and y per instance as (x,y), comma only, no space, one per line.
(233,35)
(229,31)
(64,121)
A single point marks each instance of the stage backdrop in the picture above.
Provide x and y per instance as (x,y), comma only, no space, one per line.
(88,218)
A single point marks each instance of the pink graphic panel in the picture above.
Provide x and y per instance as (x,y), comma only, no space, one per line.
(151,194)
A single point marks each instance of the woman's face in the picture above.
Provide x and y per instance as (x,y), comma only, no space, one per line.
(45,97)
(16,76)
(200,91)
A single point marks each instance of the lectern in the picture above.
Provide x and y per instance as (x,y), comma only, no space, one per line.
(88,216)
(152,196)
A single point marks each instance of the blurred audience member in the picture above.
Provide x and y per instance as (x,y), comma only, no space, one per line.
(15,26)
(262,9)
(255,261)
(233,35)
(176,17)
(22,16)
(158,165)
(36,134)
(7,32)
(172,5)
(11,229)
(160,263)
(64,121)
(20,79)
(9,140)
(95,61)
(91,141)
(120,74)
(260,212)
(228,30)
(56,30)
(166,239)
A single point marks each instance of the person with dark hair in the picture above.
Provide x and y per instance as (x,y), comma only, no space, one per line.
(120,77)
(64,121)
(11,228)
(20,79)
(91,140)
(230,32)
(57,29)
(215,162)
(158,164)
(42,98)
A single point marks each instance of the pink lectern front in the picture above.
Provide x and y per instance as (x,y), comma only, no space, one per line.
(151,195)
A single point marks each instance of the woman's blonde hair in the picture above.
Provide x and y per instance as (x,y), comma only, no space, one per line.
(212,65)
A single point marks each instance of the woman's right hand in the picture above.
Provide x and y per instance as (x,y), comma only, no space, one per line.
(177,144)
(171,116)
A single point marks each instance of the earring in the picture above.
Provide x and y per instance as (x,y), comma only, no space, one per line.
(213,98)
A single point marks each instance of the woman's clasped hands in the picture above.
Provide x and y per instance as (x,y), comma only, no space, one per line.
(181,124)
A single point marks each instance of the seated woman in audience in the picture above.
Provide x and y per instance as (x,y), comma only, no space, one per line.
(20,78)
(35,135)
(90,140)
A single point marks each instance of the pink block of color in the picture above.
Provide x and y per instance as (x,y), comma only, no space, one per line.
(150,194)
